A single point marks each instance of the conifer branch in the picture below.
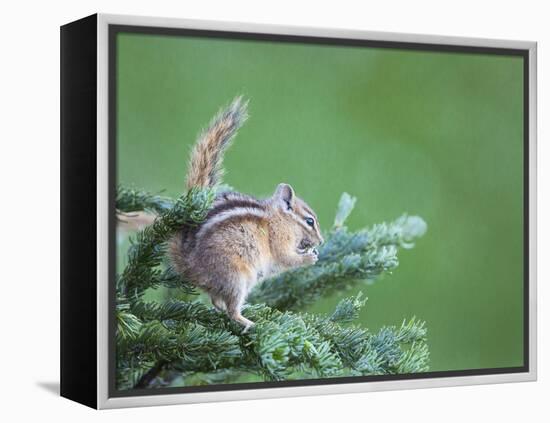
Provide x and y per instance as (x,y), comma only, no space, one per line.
(131,200)
(146,253)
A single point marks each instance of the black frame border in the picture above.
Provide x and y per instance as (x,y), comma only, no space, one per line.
(115,29)
(78,225)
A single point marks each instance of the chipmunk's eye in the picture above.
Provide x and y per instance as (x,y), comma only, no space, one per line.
(310,221)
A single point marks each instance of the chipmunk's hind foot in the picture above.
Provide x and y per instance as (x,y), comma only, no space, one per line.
(245,322)
(234,306)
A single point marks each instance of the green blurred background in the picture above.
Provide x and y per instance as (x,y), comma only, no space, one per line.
(433,134)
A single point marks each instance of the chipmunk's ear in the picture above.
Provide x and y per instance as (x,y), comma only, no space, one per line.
(284,196)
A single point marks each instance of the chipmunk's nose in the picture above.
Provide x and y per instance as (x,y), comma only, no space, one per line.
(321,240)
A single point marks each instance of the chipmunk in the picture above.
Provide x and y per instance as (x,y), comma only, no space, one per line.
(243,240)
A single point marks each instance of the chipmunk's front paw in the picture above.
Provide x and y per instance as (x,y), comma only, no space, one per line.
(311,257)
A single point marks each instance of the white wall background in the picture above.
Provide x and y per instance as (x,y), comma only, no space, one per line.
(29,168)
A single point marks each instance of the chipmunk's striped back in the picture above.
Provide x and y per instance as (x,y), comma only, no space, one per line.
(228,208)
(232,207)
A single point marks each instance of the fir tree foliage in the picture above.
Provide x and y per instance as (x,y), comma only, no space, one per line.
(184,341)
(146,252)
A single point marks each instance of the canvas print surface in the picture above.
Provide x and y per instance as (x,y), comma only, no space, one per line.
(311,211)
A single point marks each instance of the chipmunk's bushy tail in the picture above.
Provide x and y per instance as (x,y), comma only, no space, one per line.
(205,165)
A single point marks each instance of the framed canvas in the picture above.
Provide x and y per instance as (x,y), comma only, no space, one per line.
(233,193)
